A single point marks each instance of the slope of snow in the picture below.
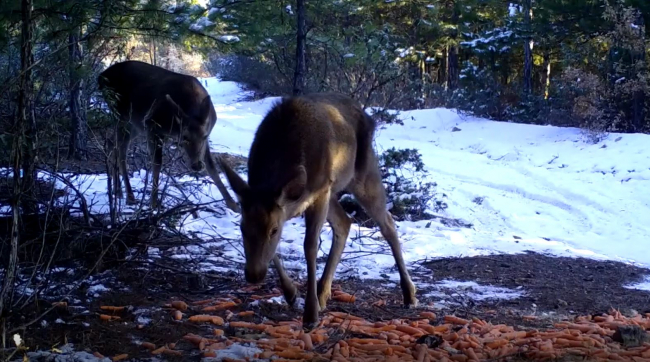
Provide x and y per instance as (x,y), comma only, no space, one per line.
(522,187)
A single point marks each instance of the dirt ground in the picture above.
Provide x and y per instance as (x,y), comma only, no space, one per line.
(556,288)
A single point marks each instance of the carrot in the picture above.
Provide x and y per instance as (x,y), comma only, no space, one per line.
(120,357)
(180,305)
(172,352)
(106,317)
(345,316)
(365,341)
(471,354)
(159,350)
(410,330)
(210,354)
(458,357)
(344,297)
(98,355)
(293,354)
(110,308)
(203,302)
(220,306)
(193,338)
(307,339)
(228,359)
(246,313)
(217,332)
(514,335)
(496,343)
(178,315)
(201,318)
(455,320)
(148,345)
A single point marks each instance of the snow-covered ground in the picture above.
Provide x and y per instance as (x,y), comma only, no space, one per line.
(522,187)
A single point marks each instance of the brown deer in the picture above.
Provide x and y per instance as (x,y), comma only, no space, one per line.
(306,150)
(162,104)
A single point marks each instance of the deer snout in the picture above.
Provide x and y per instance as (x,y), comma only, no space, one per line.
(198,166)
(255,275)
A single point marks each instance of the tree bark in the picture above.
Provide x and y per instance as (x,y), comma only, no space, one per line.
(546,75)
(528,51)
(301,37)
(638,102)
(452,68)
(78,140)
(27,126)
(22,123)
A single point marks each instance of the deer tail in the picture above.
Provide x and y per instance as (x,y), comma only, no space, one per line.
(365,135)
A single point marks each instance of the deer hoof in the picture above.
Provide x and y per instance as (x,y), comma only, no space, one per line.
(291,296)
(309,326)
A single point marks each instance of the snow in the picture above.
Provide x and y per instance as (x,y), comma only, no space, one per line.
(644,285)
(522,187)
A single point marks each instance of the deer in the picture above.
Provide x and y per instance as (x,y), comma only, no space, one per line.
(163,104)
(306,150)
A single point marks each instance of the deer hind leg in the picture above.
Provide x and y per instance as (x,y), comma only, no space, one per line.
(155,150)
(340,223)
(124,137)
(286,284)
(369,191)
(315,217)
(213,171)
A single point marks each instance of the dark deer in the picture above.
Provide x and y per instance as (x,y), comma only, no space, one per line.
(162,104)
(305,151)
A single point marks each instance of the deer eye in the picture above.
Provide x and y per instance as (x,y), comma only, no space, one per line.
(274,231)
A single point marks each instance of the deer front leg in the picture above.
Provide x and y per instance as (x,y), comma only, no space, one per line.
(213,171)
(314,219)
(340,223)
(155,149)
(286,284)
(123,140)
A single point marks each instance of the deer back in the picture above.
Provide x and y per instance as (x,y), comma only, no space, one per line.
(143,92)
(327,134)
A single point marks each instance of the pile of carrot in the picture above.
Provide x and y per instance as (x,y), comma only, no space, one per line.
(344,337)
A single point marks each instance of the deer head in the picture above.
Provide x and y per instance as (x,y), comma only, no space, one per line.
(194,131)
(263,216)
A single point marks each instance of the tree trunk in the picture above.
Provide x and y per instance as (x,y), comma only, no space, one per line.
(442,69)
(452,68)
(22,123)
(638,102)
(26,107)
(546,75)
(78,140)
(528,50)
(299,74)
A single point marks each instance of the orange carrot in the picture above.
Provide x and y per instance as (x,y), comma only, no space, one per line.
(344,297)
(148,345)
(514,335)
(106,317)
(178,315)
(428,315)
(458,357)
(98,355)
(410,330)
(209,354)
(110,308)
(159,350)
(307,339)
(246,313)
(471,354)
(218,332)
(180,305)
(220,306)
(203,302)
(172,352)
(455,320)
(201,318)
(120,357)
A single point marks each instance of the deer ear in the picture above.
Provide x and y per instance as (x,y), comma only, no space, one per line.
(205,107)
(179,113)
(294,190)
(238,185)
